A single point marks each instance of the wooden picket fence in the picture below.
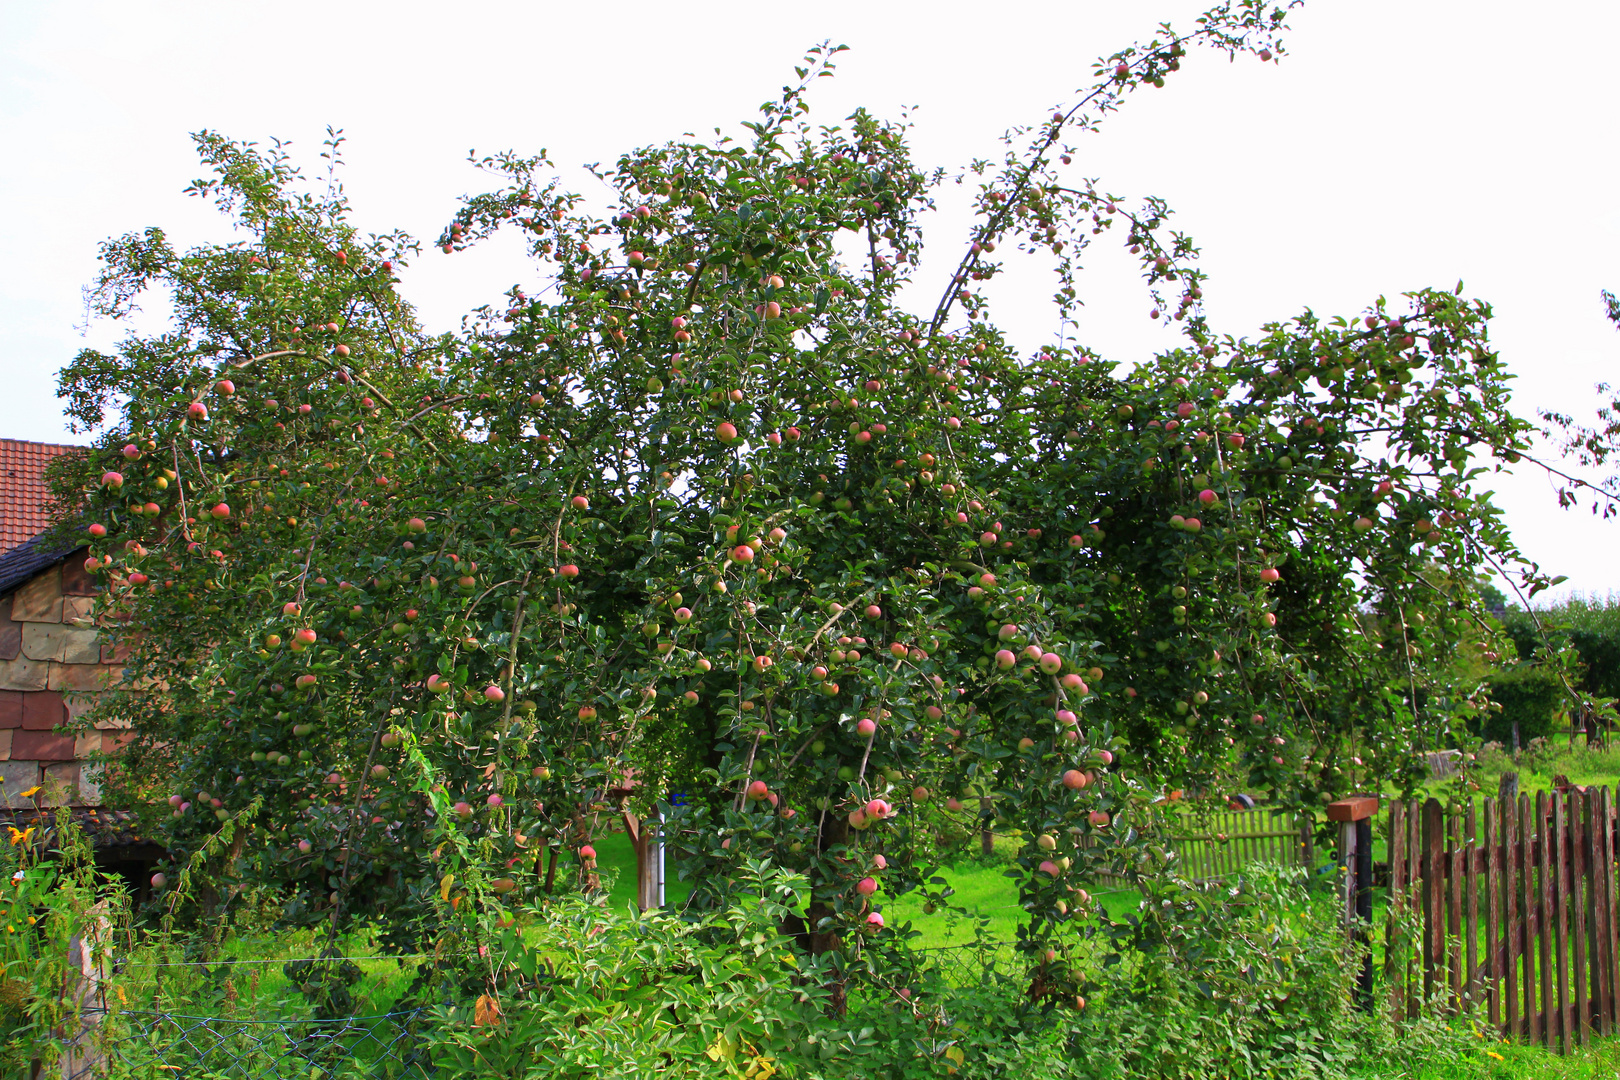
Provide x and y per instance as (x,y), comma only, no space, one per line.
(1237,838)
(1508,909)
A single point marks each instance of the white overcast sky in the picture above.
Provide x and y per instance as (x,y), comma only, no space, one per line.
(1402,143)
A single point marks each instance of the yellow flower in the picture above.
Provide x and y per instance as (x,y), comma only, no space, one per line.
(30,793)
(1494,1054)
(20,837)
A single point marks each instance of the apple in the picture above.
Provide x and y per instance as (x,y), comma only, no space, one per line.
(221,511)
(1032,652)
(1051,663)
(1005,659)
(742,553)
(1207,497)
(379,772)
(587,853)
(1099,818)
(580,502)
(416,525)
(97,530)
(225,387)
(495,800)
(866,727)
(1363,524)
(437,684)
(540,772)
(131,451)
(112,480)
(158,881)
(1048,867)
(494,693)
(875,919)
(503,885)
(987,580)
(1270,574)
(586,712)
(306,636)
(1074,779)
(305,847)
(726,432)
(877,808)
(197,411)
(761,663)
(568,570)
(305,682)
(462,810)
(1067,718)
(866,886)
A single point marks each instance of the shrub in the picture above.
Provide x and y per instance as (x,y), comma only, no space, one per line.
(1531,696)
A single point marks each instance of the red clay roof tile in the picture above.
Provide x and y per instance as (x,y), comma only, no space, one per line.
(24,495)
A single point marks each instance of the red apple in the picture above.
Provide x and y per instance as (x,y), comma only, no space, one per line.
(197,411)
(866,886)
(112,479)
(580,502)
(568,570)
(1074,779)
(726,432)
(494,693)
(97,530)
(1270,574)
(866,727)
(225,387)
(132,451)
(758,789)
(587,713)
(1005,659)
(221,511)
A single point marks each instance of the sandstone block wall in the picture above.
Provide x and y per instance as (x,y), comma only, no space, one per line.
(52,666)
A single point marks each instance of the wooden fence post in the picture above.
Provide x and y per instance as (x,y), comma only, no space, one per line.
(1355,848)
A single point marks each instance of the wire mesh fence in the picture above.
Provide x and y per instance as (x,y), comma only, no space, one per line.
(386,1046)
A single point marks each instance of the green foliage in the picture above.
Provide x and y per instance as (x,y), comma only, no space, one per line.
(1588,625)
(1531,696)
(1252,978)
(55,909)
(708,507)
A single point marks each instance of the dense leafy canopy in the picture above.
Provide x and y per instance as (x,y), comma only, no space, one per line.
(709,510)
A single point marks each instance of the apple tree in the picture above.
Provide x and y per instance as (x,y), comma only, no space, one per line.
(712,506)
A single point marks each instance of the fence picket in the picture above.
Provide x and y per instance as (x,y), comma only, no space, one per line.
(1454,910)
(1414,874)
(1528,834)
(1493,915)
(1397,907)
(1602,897)
(1545,866)
(1560,880)
(1510,934)
(1579,895)
(1434,888)
(1471,979)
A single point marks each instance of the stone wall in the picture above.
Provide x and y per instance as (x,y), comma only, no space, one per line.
(52,666)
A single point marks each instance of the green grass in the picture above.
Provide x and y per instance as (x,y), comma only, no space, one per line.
(1505,1061)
